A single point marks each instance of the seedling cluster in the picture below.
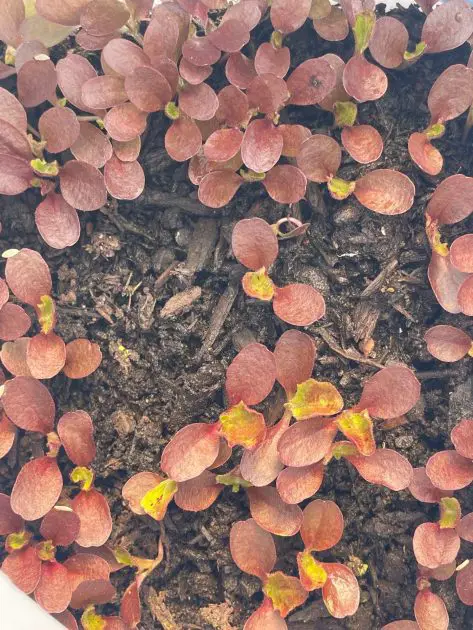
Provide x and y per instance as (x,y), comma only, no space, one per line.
(81,152)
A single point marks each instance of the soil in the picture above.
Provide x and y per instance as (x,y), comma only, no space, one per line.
(163,370)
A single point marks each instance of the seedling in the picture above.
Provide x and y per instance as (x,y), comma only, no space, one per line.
(448,272)
(255,245)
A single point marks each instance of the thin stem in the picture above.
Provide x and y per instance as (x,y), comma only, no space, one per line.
(33,131)
(88,118)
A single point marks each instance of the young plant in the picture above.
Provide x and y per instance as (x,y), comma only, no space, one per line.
(382,190)
(448,343)
(451,95)
(255,245)
(448,272)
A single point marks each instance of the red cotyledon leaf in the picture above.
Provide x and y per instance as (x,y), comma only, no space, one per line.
(183,139)
(285,592)
(289,15)
(423,153)
(385,191)
(311,82)
(12,110)
(83,567)
(199,493)
(223,144)
(13,356)
(37,488)
(200,51)
(125,122)
(401,625)
(462,438)
(136,487)
(61,525)
(12,14)
(95,519)
(72,72)
(105,552)
(430,611)
(322,525)
(261,146)
(338,93)
(461,253)
(13,142)
(82,185)
(59,127)
(230,36)
(45,355)
(28,276)
(447,343)
(319,158)
(14,322)
(28,404)
(247,12)
(450,202)
(36,82)
(254,243)
(123,56)
(271,60)
(67,619)
(240,425)
(218,188)
(15,174)
(265,617)
(267,93)
(83,357)
(448,470)
(162,35)
(451,94)
(252,548)
(262,465)
(23,568)
(94,42)
(76,431)
(240,70)
(293,137)
(272,514)
(53,592)
(232,106)
(285,183)
(341,593)
(445,281)
(296,484)
(57,221)
(295,354)
(124,180)
(307,442)
(363,80)
(199,102)
(423,489)
(464,581)
(434,546)
(385,468)
(92,146)
(315,398)
(104,91)
(7,435)
(126,151)
(298,304)
(193,74)
(9,521)
(191,450)
(100,17)
(448,27)
(388,42)
(363,142)
(251,375)
(390,393)
(130,605)
(61,13)
(334,27)
(465,296)
(92,592)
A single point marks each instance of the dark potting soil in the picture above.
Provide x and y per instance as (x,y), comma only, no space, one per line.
(165,369)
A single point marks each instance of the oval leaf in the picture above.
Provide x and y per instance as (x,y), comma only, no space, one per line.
(390,393)
(83,357)
(37,488)
(363,142)
(299,304)
(448,470)
(319,158)
(61,525)
(252,548)
(57,221)
(250,376)
(29,405)
(124,180)
(191,450)
(385,468)
(95,519)
(45,355)
(272,514)
(296,484)
(76,432)
(434,546)
(28,276)
(322,525)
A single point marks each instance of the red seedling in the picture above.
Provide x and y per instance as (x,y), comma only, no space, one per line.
(322,529)
(254,552)
(453,470)
(255,245)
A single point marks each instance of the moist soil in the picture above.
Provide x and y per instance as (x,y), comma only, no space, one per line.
(164,363)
